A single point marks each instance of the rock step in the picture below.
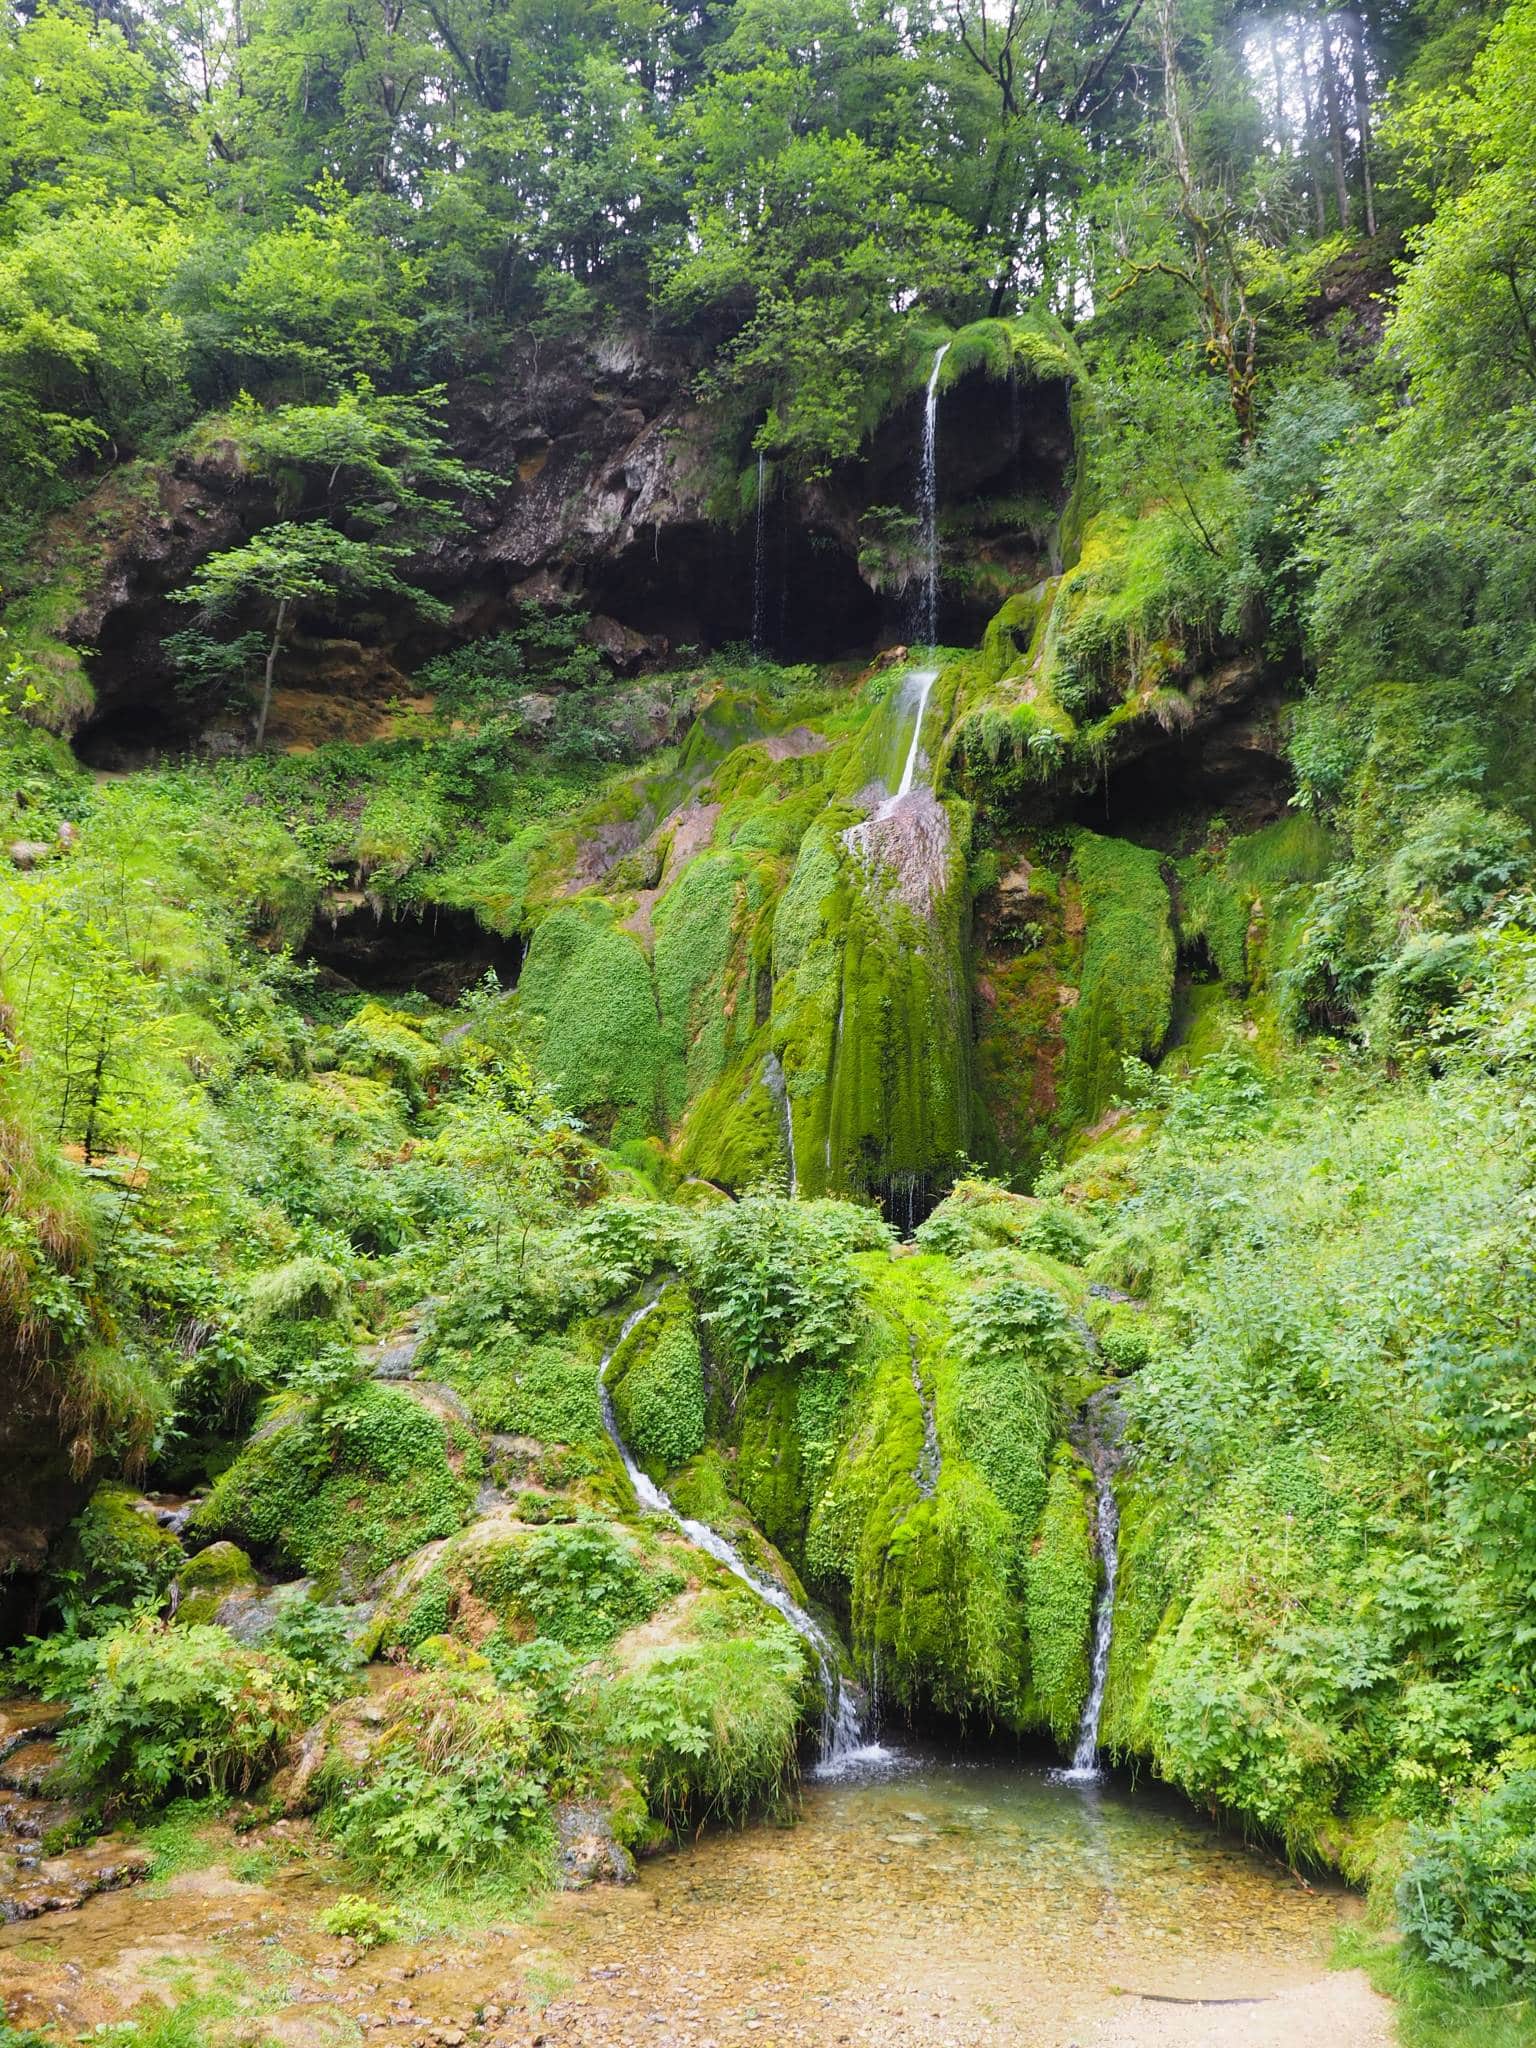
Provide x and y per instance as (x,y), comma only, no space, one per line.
(30,1767)
(57,1884)
(28,1820)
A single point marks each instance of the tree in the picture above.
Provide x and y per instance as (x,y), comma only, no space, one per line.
(286,566)
(377,462)
(1203,254)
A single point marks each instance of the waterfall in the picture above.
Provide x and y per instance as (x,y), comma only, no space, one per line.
(1102,1423)
(920,681)
(928,508)
(778,1088)
(843,1741)
(759,553)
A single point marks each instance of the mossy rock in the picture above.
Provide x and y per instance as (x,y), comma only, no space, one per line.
(206,1580)
(580,1583)
(1125,998)
(1062,1579)
(656,1383)
(343,1493)
(120,1551)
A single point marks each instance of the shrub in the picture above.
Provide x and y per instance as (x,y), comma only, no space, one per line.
(776,1281)
(365,1921)
(713,1727)
(453,1789)
(306,1289)
(1468,1897)
(186,1710)
(581,1583)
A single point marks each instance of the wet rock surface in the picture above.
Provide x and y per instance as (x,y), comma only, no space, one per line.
(41,1870)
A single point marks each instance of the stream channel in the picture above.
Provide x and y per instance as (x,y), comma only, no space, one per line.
(950,1901)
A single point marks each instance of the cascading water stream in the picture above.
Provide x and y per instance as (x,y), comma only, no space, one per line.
(844,1745)
(928,507)
(759,561)
(919,682)
(1102,1424)
(778,1088)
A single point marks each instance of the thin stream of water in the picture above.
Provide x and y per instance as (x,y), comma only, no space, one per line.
(918,682)
(845,1748)
(1103,1448)
(928,506)
(759,558)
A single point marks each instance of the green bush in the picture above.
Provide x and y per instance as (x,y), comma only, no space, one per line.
(453,1789)
(775,1281)
(187,1710)
(713,1727)
(657,1384)
(1468,1896)
(364,1921)
(581,1583)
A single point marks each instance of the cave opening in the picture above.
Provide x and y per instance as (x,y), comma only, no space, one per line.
(437,952)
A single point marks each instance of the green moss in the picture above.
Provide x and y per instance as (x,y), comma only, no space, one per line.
(656,1380)
(205,1580)
(587,996)
(544,1387)
(119,1549)
(703,969)
(1125,989)
(1061,1581)
(341,1494)
(1228,895)
(768,1475)
(869,1015)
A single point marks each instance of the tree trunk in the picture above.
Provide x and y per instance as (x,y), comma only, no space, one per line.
(1356,26)
(266,688)
(1335,124)
(1309,109)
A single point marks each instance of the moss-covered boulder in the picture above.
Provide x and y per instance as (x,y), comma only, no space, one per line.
(341,1492)
(656,1382)
(578,1582)
(207,1580)
(119,1550)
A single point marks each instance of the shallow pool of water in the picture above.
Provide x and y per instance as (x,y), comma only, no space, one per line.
(950,1902)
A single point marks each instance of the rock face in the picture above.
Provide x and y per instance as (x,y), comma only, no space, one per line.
(39,1495)
(614,489)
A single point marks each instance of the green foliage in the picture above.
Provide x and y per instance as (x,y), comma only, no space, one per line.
(360,1920)
(453,1791)
(189,1710)
(656,1381)
(122,1556)
(580,1583)
(1467,1895)
(586,994)
(712,1728)
(775,1283)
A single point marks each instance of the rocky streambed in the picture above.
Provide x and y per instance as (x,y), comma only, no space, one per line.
(953,1902)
